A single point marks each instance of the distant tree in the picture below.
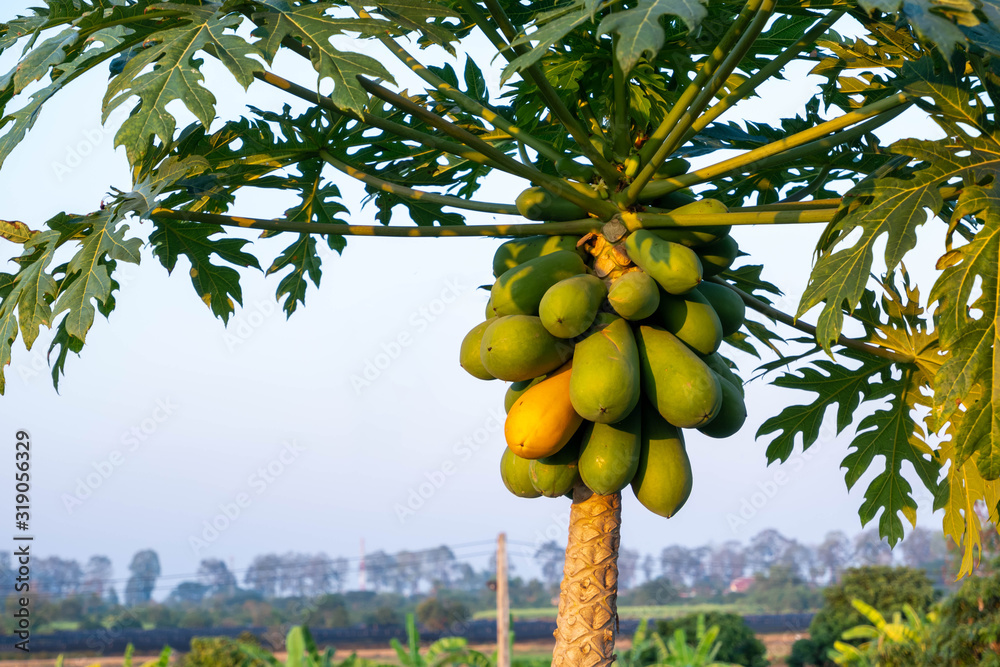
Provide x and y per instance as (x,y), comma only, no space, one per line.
(145,570)
(765,549)
(968,631)
(96,574)
(439,615)
(330,611)
(340,569)
(659,591)
(870,549)
(803,560)
(112,596)
(263,575)
(190,592)
(384,615)
(57,577)
(628,562)
(884,588)
(196,618)
(292,574)
(551,558)
(380,569)
(648,567)
(6,571)
(834,554)
(783,590)
(215,575)
(409,571)
(439,565)
(924,548)
(726,562)
(675,563)
(318,574)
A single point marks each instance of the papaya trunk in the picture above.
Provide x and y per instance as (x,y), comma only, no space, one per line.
(588,598)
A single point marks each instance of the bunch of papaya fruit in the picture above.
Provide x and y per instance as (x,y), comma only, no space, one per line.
(612,350)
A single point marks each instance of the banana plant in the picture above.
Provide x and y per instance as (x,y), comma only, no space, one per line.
(880,634)
(649,649)
(612,113)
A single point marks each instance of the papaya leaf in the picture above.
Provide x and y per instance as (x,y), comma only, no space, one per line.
(311,24)
(175,74)
(66,344)
(834,385)
(36,64)
(933,20)
(552,27)
(218,286)
(972,341)
(87,275)
(639,30)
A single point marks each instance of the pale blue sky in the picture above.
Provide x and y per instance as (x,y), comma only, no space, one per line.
(214,405)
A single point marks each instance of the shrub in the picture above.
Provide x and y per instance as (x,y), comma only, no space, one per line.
(886,589)
(219,652)
(438,615)
(968,632)
(737,643)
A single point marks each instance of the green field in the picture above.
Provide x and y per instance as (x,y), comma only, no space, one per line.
(658,611)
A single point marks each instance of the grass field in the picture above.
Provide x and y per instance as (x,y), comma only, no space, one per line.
(659,611)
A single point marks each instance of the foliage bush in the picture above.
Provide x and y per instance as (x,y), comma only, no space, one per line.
(437,614)
(886,589)
(737,642)
(968,632)
(219,652)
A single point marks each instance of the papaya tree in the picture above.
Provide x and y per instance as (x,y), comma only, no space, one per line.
(621,117)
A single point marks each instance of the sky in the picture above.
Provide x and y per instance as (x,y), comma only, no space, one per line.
(351,420)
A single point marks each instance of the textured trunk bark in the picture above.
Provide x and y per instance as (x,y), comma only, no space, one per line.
(588,599)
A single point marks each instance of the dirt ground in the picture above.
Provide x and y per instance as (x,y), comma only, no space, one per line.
(779,646)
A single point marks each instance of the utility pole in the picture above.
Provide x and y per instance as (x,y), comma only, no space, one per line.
(503,604)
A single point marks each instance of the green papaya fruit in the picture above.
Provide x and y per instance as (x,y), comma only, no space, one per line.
(515,390)
(518,251)
(609,453)
(605,384)
(468,355)
(569,307)
(570,168)
(718,255)
(556,475)
(692,237)
(684,390)
(721,367)
(673,167)
(518,291)
(675,267)
(662,481)
(634,295)
(691,318)
(670,201)
(540,204)
(632,165)
(727,304)
(732,414)
(514,471)
(517,347)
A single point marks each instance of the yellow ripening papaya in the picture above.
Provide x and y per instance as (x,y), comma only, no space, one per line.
(515,390)
(721,367)
(718,255)
(516,476)
(634,295)
(468,354)
(662,481)
(606,384)
(518,251)
(539,204)
(684,390)
(517,347)
(727,304)
(569,307)
(732,414)
(675,267)
(556,475)
(542,420)
(519,290)
(692,319)
(609,453)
